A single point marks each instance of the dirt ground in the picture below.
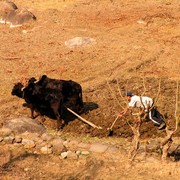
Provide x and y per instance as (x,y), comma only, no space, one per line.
(137,48)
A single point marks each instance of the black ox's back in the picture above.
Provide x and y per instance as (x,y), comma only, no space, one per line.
(71,90)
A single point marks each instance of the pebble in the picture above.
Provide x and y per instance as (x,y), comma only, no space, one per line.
(64,155)
(18,139)
(85,152)
(79,41)
(9,139)
(46,150)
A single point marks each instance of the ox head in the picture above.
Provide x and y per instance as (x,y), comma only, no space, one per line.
(17,90)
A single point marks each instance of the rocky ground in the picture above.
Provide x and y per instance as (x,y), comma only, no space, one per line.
(31,152)
(119,45)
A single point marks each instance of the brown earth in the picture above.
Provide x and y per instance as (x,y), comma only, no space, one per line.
(137,46)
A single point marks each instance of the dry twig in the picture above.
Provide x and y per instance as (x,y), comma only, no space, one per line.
(113,94)
(166,143)
(9,58)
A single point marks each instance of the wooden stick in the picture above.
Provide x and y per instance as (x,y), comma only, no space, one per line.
(113,123)
(84,120)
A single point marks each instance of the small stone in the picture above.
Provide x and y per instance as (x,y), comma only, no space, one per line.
(58,146)
(85,152)
(18,139)
(9,139)
(142,22)
(64,155)
(79,41)
(29,146)
(24,31)
(26,169)
(65,143)
(78,152)
(46,150)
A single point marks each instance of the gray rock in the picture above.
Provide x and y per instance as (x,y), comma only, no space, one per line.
(9,139)
(79,41)
(85,153)
(18,139)
(78,152)
(64,155)
(99,148)
(23,124)
(69,155)
(28,144)
(58,146)
(46,150)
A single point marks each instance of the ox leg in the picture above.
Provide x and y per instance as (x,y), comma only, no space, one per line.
(32,111)
(55,108)
(59,121)
(79,105)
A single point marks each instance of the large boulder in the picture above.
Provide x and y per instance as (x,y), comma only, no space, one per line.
(25,124)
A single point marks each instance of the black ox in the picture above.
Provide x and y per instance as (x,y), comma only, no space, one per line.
(50,94)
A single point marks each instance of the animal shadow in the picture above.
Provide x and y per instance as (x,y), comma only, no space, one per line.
(66,115)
